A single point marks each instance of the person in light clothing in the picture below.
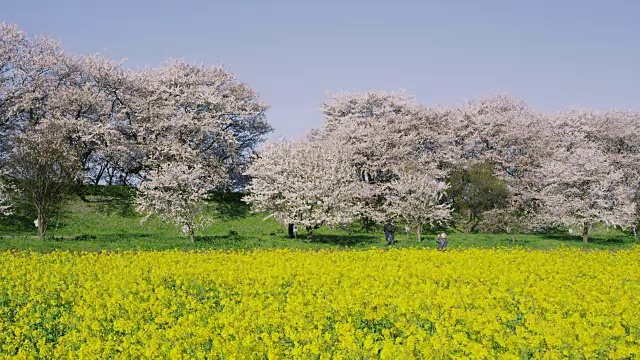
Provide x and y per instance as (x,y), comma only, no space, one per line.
(442,241)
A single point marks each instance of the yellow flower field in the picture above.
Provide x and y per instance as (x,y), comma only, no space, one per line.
(395,304)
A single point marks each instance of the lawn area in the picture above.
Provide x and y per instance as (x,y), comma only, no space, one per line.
(96,226)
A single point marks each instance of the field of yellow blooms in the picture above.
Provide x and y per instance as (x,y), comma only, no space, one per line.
(394,304)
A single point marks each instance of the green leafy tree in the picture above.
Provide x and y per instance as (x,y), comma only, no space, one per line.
(474,190)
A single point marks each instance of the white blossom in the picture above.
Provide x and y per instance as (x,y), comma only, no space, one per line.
(580,183)
(153,124)
(374,149)
(5,205)
(176,192)
(308,182)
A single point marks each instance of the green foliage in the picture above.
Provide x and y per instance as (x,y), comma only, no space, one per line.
(474,191)
(100,225)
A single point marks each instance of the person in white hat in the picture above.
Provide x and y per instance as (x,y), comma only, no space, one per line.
(442,241)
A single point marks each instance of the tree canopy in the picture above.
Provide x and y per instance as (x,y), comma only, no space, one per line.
(112,125)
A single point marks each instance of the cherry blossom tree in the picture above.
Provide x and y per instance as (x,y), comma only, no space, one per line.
(205,109)
(617,131)
(176,192)
(580,183)
(41,83)
(503,131)
(309,182)
(95,101)
(32,73)
(377,156)
(36,155)
(182,122)
(383,131)
(418,198)
(119,111)
(119,122)
(41,170)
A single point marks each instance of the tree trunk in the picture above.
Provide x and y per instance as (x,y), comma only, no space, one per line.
(470,226)
(367,222)
(192,235)
(585,233)
(635,232)
(419,229)
(42,226)
(469,219)
(100,173)
(111,174)
(290,229)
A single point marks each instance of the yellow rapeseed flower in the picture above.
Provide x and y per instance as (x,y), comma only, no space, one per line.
(395,304)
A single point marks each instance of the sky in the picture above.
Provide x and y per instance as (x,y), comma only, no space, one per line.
(552,54)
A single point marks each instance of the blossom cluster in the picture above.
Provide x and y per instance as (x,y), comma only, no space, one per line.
(177,131)
(574,168)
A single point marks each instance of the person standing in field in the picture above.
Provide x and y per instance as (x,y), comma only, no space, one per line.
(442,241)
(389,233)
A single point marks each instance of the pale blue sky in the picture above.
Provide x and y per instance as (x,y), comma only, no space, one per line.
(552,54)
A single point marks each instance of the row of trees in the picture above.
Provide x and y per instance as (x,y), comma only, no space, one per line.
(383,156)
(175,131)
(179,131)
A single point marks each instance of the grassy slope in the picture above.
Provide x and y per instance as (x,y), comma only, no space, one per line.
(114,226)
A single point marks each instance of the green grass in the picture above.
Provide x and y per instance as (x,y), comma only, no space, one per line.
(98,226)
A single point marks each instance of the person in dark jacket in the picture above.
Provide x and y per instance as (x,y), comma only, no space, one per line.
(389,233)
